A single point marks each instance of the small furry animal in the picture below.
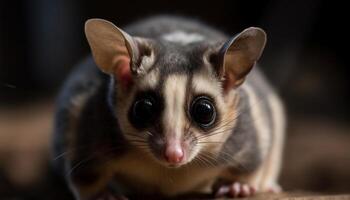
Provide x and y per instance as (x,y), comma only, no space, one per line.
(171,107)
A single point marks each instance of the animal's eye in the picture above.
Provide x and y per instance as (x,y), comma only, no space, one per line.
(143,111)
(203,111)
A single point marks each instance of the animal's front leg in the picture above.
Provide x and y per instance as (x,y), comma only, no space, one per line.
(245,186)
(263,179)
(89,183)
(96,191)
(109,194)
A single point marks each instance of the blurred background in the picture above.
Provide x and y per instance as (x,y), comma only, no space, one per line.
(306,59)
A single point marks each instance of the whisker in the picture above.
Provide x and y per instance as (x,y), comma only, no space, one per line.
(230,159)
(139,141)
(89,158)
(211,142)
(78,165)
(149,133)
(135,135)
(206,159)
(200,161)
(215,133)
(61,155)
(228,119)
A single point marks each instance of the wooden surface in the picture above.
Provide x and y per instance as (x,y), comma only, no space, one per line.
(267,196)
(297,196)
(290,196)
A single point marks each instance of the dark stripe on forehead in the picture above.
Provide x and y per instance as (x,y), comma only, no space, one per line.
(160,85)
(179,59)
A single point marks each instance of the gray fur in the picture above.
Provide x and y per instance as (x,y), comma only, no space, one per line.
(262,89)
(242,139)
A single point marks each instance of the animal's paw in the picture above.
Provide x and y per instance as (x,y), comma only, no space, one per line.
(274,188)
(235,189)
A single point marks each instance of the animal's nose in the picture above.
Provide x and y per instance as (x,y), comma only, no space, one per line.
(174,153)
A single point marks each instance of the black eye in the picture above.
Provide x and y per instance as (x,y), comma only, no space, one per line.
(143,109)
(203,111)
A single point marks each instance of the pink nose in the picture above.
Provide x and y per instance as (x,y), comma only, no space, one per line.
(174,153)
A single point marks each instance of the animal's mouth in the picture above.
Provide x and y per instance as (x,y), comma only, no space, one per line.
(174,165)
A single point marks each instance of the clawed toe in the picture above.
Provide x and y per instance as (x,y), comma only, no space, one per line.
(235,190)
(274,188)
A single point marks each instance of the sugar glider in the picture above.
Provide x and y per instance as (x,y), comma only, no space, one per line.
(169,106)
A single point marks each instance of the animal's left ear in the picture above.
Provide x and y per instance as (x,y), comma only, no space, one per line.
(116,52)
(239,55)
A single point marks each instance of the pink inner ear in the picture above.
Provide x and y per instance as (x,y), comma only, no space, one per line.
(123,71)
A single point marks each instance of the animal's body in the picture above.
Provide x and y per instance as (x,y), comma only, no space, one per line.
(173,112)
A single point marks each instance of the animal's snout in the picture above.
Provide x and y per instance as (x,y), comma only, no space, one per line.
(174,153)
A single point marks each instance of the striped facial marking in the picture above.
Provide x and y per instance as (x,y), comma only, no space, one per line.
(174,119)
(177,110)
(174,91)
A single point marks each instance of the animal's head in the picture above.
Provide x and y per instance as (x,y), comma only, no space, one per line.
(175,98)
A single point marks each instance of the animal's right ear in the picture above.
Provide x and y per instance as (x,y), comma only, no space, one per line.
(238,56)
(115,52)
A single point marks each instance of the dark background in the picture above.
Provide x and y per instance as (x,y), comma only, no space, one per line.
(305,58)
